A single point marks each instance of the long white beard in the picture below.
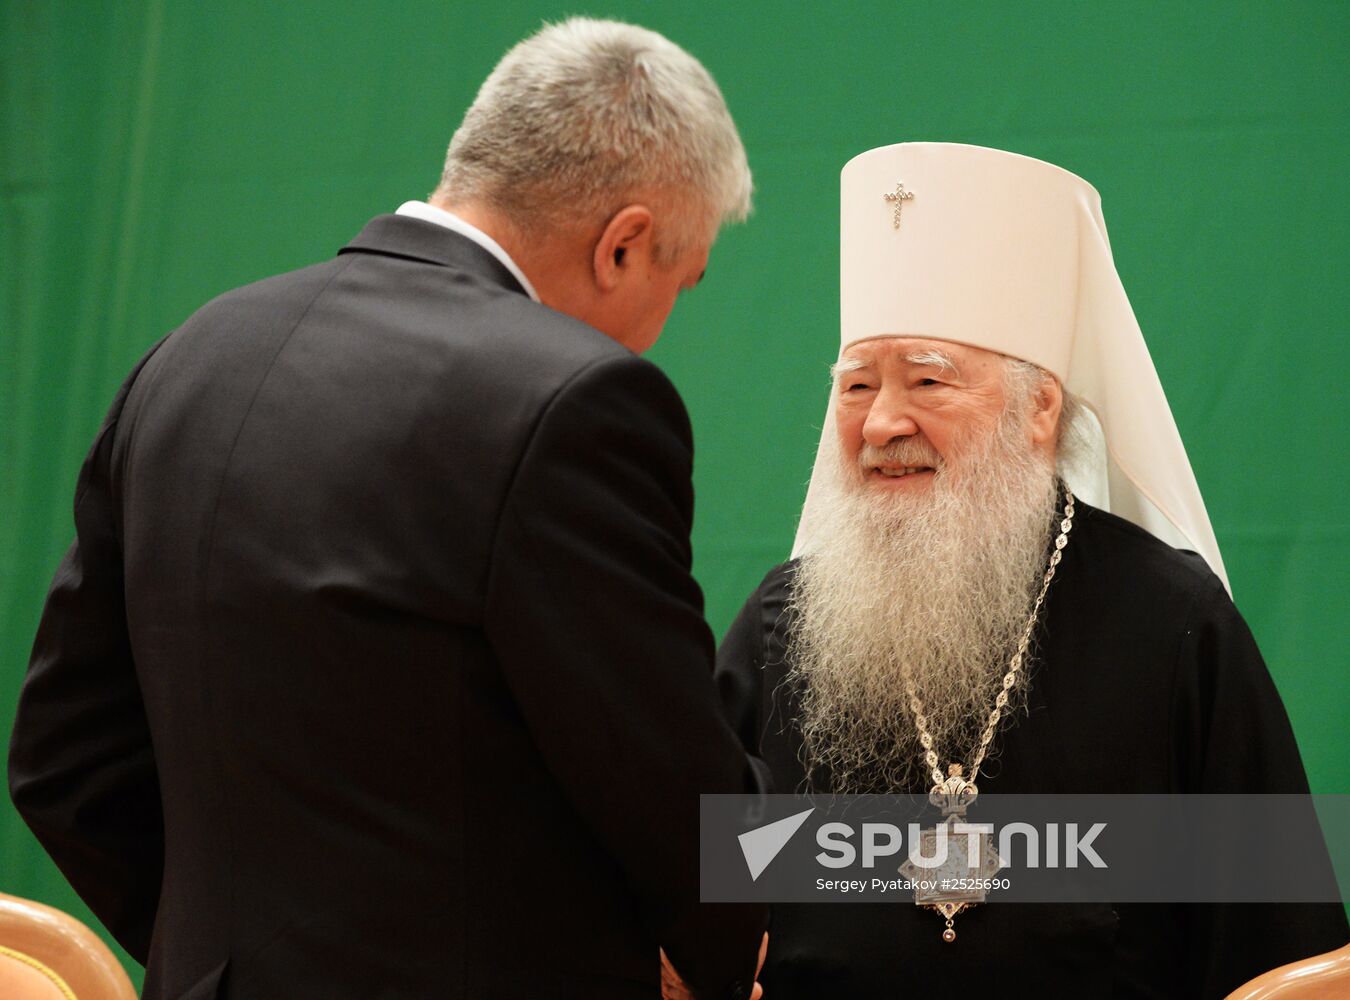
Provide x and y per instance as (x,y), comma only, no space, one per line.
(940,586)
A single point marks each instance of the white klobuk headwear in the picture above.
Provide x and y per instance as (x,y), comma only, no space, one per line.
(990,249)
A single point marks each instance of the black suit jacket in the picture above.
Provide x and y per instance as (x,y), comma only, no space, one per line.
(376,667)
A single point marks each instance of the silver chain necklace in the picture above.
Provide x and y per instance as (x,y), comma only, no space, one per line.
(955,792)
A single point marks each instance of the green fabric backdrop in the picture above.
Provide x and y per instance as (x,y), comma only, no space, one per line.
(153,154)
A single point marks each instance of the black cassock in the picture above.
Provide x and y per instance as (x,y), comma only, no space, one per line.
(1145,680)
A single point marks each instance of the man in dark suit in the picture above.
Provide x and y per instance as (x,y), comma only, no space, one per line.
(376,667)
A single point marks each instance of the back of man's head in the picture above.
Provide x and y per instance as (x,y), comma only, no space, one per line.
(586,116)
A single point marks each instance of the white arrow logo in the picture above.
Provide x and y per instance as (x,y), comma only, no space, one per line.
(761,846)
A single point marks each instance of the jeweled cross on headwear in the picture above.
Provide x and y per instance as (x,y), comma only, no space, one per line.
(899,196)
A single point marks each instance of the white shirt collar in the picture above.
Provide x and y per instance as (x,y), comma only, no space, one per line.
(439,216)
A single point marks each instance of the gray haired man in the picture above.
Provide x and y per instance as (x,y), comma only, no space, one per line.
(376,667)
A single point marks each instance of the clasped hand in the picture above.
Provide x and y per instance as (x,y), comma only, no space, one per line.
(673,988)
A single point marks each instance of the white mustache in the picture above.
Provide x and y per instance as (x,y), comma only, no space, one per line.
(907,452)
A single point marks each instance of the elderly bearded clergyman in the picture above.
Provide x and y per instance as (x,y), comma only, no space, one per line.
(955,608)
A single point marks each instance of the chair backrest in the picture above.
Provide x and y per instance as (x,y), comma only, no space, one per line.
(49,955)
(1322,977)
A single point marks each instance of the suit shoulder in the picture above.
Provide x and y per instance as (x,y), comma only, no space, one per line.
(543,337)
(225,324)
(266,294)
(580,371)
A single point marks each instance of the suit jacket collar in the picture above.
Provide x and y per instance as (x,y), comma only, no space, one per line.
(413,239)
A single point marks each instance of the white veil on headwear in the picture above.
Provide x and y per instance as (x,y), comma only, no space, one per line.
(1010,254)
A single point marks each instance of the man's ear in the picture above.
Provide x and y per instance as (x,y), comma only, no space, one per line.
(1049,400)
(625,242)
